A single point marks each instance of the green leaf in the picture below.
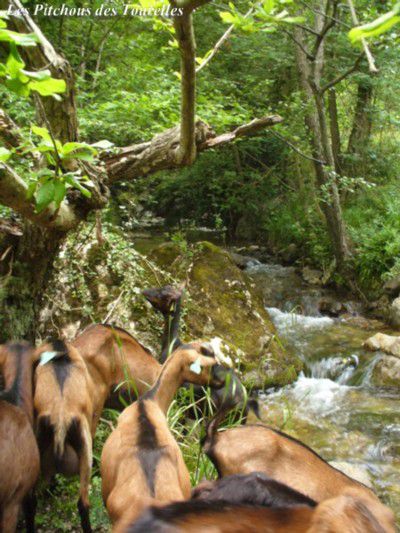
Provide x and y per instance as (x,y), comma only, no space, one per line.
(227,17)
(48,87)
(59,192)
(31,190)
(4,154)
(41,132)
(14,62)
(45,195)
(268,5)
(377,27)
(72,147)
(21,39)
(72,180)
(40,75)
(17,87)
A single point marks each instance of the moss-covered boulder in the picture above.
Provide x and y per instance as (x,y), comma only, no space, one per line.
(222,303)
(96,282)
(386,372)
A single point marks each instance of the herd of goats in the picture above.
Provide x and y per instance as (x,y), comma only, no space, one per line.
(50,406)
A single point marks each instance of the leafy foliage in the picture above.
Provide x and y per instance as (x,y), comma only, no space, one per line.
(377,27)
(13,73)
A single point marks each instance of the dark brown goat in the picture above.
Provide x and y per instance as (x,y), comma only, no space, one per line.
(256,504)
(252,489)
(141,462)
(347,513)
(19,455)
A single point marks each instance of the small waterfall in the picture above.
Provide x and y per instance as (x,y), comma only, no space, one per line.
(287,322)
(339,369)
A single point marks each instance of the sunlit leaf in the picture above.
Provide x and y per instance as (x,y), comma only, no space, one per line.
(44,196)
(48,87)
(375,28)
(4,154)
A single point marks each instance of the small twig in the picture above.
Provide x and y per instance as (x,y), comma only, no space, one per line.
(297,150)
(299,44)
(49,129)
(318,12)
(116,302)
(220,42)
(342,76)
(109,424)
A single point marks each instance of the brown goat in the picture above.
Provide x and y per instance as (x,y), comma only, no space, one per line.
(141,462)
(67,408)
(19,455)
(347,513)
(115,358)
(250,448)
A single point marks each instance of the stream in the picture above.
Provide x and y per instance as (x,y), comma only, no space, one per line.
(332,407)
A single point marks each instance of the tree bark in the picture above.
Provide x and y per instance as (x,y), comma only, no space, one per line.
(334,129)
(25,273)
(362,121)
(310,73)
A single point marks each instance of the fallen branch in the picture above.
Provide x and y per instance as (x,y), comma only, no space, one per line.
(246,130)
(159,153)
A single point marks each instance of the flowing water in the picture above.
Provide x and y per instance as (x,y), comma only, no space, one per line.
(332,407)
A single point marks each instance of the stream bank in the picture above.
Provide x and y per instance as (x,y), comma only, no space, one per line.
(335,405)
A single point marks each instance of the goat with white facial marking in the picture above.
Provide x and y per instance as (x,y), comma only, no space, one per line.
(141,462)
(19,455)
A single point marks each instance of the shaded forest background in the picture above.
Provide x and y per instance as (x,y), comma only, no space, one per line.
(334,206)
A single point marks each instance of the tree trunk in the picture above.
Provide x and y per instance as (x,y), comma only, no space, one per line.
(362,124)
(324,164)
(25,272)
(334,128)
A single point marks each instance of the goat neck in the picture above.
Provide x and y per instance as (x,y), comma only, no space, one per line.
(17,372)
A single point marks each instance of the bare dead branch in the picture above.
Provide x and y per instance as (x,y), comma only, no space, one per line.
(319,12)
(294,147)
(246,130)
(298,43)
(143,159)
(329,22)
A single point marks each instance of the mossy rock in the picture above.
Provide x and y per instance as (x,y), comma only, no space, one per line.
(165,255)
(224,304)
(386,372)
